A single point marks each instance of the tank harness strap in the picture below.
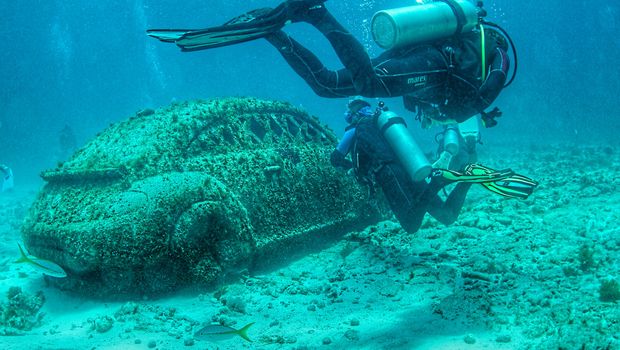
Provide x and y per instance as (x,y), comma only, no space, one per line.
(419,115)
(483,54)
(459,13)
(392,121)
(449,52)
(369,178)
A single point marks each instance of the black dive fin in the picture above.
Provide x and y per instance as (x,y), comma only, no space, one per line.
(220,36)
(168,35)
(249,26)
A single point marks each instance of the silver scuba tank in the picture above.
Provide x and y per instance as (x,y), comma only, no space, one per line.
(470,131)
(451,140)
(450,147)
(419,23)
(402,143)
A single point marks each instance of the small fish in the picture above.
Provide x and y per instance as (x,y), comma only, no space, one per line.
(217,332)
(44,266)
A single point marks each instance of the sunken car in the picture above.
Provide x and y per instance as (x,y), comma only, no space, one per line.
(181,195)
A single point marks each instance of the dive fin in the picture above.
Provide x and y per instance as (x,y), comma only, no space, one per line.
(514,186)
(248,26)
(479,177)
(168,35)
(220,36)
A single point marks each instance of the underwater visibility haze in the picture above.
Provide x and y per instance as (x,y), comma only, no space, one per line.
(171,200)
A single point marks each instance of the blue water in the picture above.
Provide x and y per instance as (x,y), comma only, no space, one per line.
(86,64)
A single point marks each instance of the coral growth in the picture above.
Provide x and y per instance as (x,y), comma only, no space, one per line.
(20,312)
(183,194)
(610,290)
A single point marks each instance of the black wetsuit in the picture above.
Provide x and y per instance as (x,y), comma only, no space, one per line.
(374,162)
(441,80)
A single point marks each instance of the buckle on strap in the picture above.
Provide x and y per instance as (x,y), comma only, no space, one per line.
(458,12)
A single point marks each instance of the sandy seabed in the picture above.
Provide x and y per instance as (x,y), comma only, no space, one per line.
(509,274)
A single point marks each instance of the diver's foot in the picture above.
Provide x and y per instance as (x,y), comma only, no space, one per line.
(250,16)
(305,10)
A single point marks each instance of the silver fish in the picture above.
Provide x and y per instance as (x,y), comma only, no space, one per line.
(44,266)
(216,332)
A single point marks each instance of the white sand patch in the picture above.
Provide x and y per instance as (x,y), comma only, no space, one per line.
(508,275)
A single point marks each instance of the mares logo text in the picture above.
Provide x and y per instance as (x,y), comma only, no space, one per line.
(421,80)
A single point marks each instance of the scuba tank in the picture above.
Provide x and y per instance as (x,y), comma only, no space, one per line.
(451,141)
(469,130)
(450,147)
(453,137)
(395,131)
(412,25)
(419,23)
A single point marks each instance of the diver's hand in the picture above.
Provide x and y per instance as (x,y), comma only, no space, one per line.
(488,118)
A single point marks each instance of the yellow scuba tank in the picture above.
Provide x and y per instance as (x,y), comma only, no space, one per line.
(404,146)
(423,22)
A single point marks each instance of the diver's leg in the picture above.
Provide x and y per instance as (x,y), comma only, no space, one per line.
(458,148)
(324,82)
(459,145)
(447,212)
(449,147)
(400,193)
(349,50)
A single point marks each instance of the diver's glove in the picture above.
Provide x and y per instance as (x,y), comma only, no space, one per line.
(338,160)
(488,118)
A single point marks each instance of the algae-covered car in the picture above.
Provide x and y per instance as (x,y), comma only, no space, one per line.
(180,195)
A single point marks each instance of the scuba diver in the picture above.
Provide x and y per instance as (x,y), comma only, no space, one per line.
(6,178)
(67,142)
(384,153)
(446,62)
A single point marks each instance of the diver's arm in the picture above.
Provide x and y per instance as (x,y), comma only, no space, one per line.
(496,77)
(337,158)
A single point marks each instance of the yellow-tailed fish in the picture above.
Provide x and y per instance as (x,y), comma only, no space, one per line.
(217,332)
(44,266)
